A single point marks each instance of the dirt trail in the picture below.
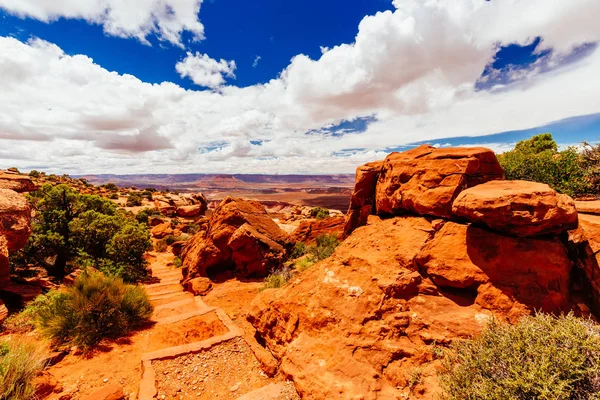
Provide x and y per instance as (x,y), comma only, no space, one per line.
(196,351)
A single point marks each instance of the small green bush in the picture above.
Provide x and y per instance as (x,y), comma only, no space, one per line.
(170,239)
(300,249)
(278,278)
(177,263)
(134,200)
(324,247)
(160,245)
(113,196)
(20,363)
(143,215)
(95,307)
(319,213)
(304,263)
(110,186)
(34,174)
(542,357)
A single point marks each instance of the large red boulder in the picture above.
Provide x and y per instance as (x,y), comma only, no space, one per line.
(518,208)
(190,211)
(309,230)
(15,219)
(241,237)
(422,181)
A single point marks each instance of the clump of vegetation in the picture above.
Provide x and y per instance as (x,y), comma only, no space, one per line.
(95,307)
(113,196)
(110,186)
(304,258)
(542,357)
(143,215)
(34,174)
(170,239)
(14,169)
(71,229)
(147,194)
(570,171)
(20,363)
(160,246)
(134,199)
(177,263)
(319,213)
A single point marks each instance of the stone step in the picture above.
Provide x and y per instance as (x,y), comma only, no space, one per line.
(170,274)
(174,308)
(169,298)
(269,392)
(162,288)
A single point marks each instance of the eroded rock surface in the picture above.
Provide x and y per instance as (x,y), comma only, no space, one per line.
(309,230)
(15,219)
(518,208)
(18,183)
(240,237)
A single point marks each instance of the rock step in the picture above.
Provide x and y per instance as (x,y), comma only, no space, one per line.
(169,298)
(167,275)
(175,308)
(161,288)
(270,392)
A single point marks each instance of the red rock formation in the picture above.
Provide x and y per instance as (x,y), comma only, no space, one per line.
(190,211)
(309,230)
(160,231)
(18,183)
(15,219)
(241,236)
(423,181)
(518,208)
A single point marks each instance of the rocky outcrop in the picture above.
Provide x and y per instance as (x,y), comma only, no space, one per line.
(309,230)
(16,182)
(424,181)
(15,219)
(185,205)
(518,208)
(240,237)
(162,230)
(445,248)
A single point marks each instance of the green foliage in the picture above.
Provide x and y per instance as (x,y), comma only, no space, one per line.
(537,159)
(177,263)
(110,186)
(113,196)
(193,228)
(324,247)
(542,357)
(303,263)
(134,199)
(278,279)
(300,249)
(142,215)
(160,245)
(319,213)
(34,173)
(20,363)
(14,169)
(95,307)
(147,194)
(69,226)
(170,239)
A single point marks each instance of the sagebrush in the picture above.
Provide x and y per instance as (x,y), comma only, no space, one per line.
(542,357)
(95,307)
(20,363)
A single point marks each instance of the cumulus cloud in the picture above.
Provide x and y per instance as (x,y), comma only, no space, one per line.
(167,19)
(413,71)
(205,71)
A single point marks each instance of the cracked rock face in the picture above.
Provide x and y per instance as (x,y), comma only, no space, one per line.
(423,181)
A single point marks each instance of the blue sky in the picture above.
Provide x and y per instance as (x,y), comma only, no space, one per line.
(276,86)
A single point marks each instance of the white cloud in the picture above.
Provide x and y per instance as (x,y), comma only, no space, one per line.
(255,62)
(414,69)
(168,19)
(205,71)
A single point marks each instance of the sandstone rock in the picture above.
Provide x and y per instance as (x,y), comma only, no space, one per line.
(588,207)
(177,247)
(190,211)
(362,202)
(241,236)
(46,384)
(518,208)
(162,230)
(153,221)
(530,271)
(354,324)
(109,392)
(15,219)
(4,263)
(199,286)
(3,312)
(426,180)
(308,231)
(16,182)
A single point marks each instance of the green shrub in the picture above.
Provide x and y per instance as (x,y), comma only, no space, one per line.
(542,357)
(177,263)
(568,171)
(147,194)
(20,363)
(278,278)
(304,263)
(170,239)
(34,174)
(134,200)
(110,186)
(95,307)
(143,215)
(324,247)
(160,245)
(300,249)
(319,213)
(113,196)
(193,228)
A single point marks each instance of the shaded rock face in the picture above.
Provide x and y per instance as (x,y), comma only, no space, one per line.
(15,228)
(518,208)
(185,205)
(443,248)
(423,181)
(240,236)
(16,182)
(308,231)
